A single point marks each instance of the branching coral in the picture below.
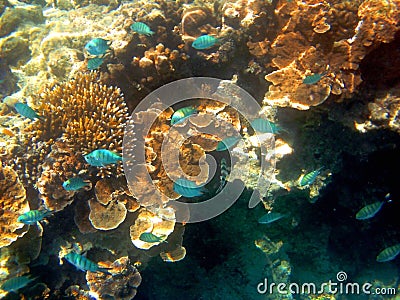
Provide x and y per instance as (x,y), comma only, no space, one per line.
(85,114)
(13,203)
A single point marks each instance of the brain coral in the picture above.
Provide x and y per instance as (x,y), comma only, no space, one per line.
(86,114)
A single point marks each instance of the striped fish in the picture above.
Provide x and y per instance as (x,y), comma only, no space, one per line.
(204,42)
(187,188)
(75,183)
(181,114)
(94,63)
(142,28)
(370,210)
(149,237)
(102,157)
(270,217)
(33,216)
(15,283)
(26,111)
(314,78)
(264,126)
(388,254)
(83,264)
(309,178)
(225,170)
(97,46)
(227,143)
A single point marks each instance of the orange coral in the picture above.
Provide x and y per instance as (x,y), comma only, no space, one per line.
(121,285)
(314,37)
(13,203)
(84,113)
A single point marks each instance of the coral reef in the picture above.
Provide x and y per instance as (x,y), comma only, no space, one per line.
(384,112)
(318,38)
(122,284)
(13,203)
(85,114)
(150,222)
(59,165)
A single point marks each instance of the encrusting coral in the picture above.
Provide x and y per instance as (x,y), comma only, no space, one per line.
(13,203)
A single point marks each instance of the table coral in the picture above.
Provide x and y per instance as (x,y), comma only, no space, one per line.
(122,284)
(13,203)
(313,37)
(150,222)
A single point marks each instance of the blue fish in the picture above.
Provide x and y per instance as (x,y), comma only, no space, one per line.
(187,188)
(370,210)
(227,143)
(15,283)
(74,184)
(149,237)
(26,111)
(102,157)
(314,78)
(389,253)
(97,46)
(204,42)
(309,178)
(94,63)
(225,170)
(83,264)
(181,114)
(33,216)
(270,217)
(264,126)
(141,28)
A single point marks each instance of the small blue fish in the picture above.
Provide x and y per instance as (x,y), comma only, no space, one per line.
(388,254)
(84,264)
(314,78)
(26,111)
(149,237)
(264,126)
(309,178)
(74,184)
(187,188)
(102,157)
(97,46)
(204,42)
(181,114)
(15,283)
(227,143)
(142,28)
(370,210)
(94,63)
(225,170)
(270,217)
(33,216)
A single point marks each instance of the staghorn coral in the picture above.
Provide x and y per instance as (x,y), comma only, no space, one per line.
(13,203)
(85,114)
(122,284)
